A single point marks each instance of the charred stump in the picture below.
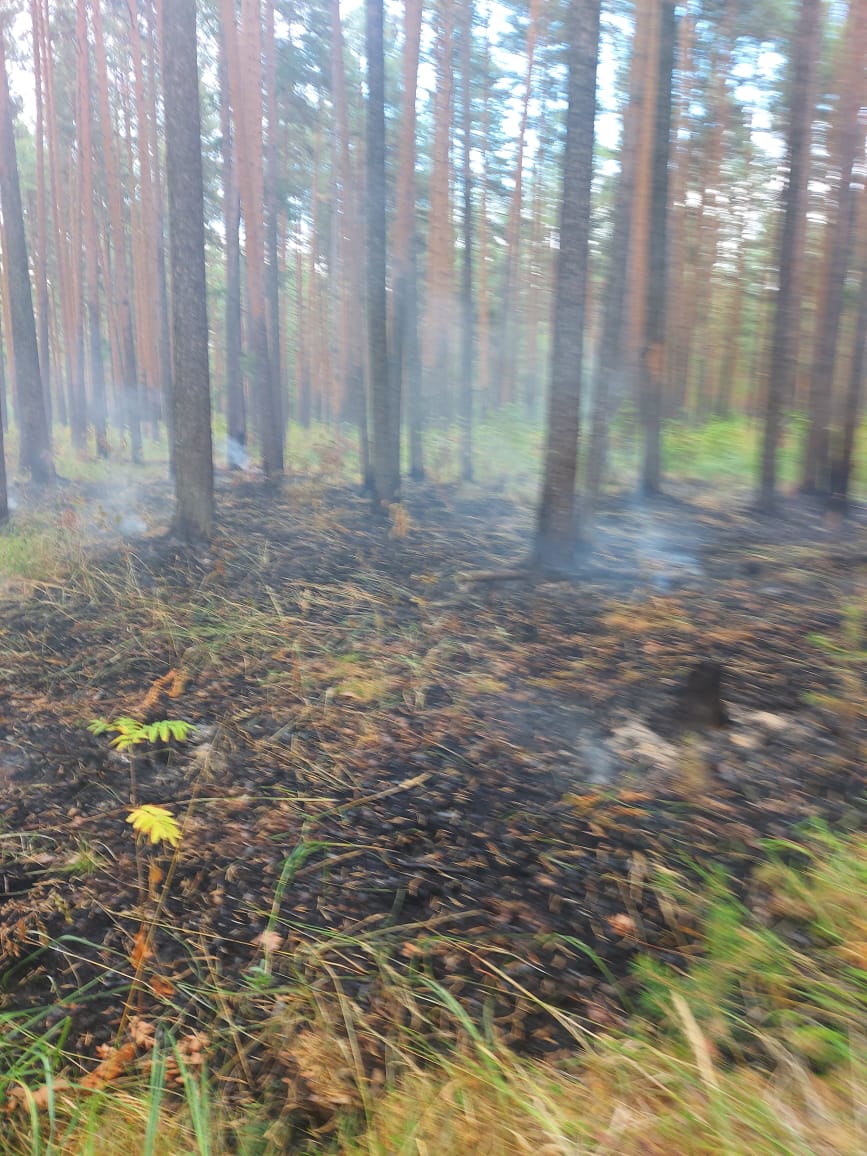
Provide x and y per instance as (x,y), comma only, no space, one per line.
(701,702)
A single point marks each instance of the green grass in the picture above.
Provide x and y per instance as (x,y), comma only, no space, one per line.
(726,450)
(729,451)
(507,454)
(29,550)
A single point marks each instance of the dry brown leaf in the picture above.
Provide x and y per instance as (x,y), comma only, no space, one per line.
(161,987)
(111,1068)
(140,950)
(141,1032)
(41,1098)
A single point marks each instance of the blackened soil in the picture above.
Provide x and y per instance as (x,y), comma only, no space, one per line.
(474,782)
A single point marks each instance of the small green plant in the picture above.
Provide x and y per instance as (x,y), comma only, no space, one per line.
(129,732)
(153,825)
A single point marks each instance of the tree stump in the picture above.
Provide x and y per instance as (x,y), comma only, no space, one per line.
(701,696)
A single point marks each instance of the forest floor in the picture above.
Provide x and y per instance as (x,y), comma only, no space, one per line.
(399,772)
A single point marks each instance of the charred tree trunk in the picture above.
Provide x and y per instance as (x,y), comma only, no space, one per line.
(191,409)
(557,528)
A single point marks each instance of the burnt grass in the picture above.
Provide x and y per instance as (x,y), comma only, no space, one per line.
(397,771)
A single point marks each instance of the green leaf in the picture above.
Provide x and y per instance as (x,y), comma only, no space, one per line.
(130,731)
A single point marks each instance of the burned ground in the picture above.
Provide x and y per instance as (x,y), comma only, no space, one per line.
(396,770)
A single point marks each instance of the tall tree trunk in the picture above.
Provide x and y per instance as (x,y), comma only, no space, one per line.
(302,369)
(4,400)
(246,88)
(728,363)
(646,66)
(98,407)
(352,288)
(313,334)
(612,360)
(557,527)
(412,367)
(191,410)
(467,319)
(386,470)
(147,266)
(404,327)
(484,297)
(153,12)
(118,275)
(272,217)
(699,350)
(782,368)
(855,389)
(65,252)
(850,133)
(538,277)
(236,411)
(682,225)
(439,297)
(40,255)
(32,415)
(4,493)
(653,350)
(508,328)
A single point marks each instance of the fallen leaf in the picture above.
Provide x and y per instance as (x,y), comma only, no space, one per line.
(111,1068)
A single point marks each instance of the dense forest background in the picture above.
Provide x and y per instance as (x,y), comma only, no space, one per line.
(385,194)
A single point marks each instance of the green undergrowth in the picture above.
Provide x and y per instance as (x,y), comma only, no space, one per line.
(753,1043)
(30,551)
(508,449)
